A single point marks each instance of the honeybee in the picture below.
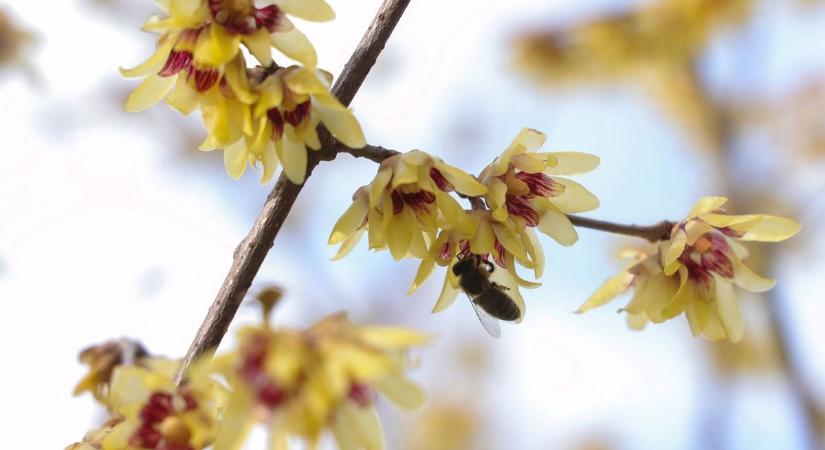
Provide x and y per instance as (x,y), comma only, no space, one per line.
(488,298)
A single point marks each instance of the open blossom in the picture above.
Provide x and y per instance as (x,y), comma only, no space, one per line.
(280,124)
(302,383)
(158,415)
(199,38)
(695,271)
(503,244)
(525,184)
(405,205)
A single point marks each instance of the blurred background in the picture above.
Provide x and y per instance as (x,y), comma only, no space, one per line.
(115,225)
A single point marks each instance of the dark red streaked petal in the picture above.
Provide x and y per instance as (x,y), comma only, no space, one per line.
(717,261)
(159,407)
(519,206)
(146,437)
(500,253)
(204,78)
(176,62)
(297,115)
(397,202)
(277,122)
(540,184)
(419,200)
(361,394)
(269,17)
(440,181)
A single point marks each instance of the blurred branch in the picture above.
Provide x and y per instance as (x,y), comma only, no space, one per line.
(253,249)
(374,153)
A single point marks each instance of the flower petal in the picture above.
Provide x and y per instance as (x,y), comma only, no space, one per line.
(448,294)
(728,309)
(401,391)
(771,229)
(556,225)
(294,44)
(610,289)
(312,10)
(152,90)
(575,197)
(339,121)
(706,205)
(571,163)
(155,62)
(234,158)
(748,280)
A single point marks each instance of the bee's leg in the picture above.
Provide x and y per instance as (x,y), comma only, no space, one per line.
(490,266)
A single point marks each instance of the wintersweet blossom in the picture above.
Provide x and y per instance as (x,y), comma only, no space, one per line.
(695,271)
(302,383)
(157,414)
(199,39)
(102,360)
(280,124)
(405,205)
(503,244)
(525,184)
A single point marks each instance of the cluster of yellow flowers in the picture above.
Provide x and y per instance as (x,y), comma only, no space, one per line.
(695,270)
(300,383)
(264,114)
(656,44)
(408,209)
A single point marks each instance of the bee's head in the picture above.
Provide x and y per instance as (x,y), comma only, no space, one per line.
(464,265)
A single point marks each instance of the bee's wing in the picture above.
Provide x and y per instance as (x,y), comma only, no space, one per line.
(489,322)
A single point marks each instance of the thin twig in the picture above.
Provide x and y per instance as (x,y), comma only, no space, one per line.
(374,153)
(252,250)
(653,233)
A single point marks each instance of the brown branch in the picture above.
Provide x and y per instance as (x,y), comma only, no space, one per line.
(374,153)
(252,250)
(653,233)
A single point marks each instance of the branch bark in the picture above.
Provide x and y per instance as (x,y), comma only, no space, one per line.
(653,233)
(252,251)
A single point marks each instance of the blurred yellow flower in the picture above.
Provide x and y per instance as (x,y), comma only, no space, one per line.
(102,360)
(280,123)
(405,205)
(305,382)
(695,270)
(520,185)
(93,440)
(13,43)
(158,415)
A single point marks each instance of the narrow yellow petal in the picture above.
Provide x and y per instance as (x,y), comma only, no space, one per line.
(155,62)
(462,181)
(748,280)
(260,46)
(448,294)
(400,233)
(728,310)
(771,229)
(379,183)
(571,163)
(293,156)
(610,289)
(350,221)
(348,245)
(234,158)
(706,205)
(556,225)
(401,391)
(575,198)
(339,121)
(674,251)
(152,90)
(312,10)
(294,44)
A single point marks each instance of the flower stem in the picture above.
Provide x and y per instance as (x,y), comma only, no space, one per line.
(653,233)
(253,249)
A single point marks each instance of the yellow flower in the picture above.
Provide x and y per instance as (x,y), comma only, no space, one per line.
(405,205)
(158,415)
(93,440)
(305,382)
(694,272)
(519,184)
(502,244)
(102,360)
(281,123)
(200,38)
